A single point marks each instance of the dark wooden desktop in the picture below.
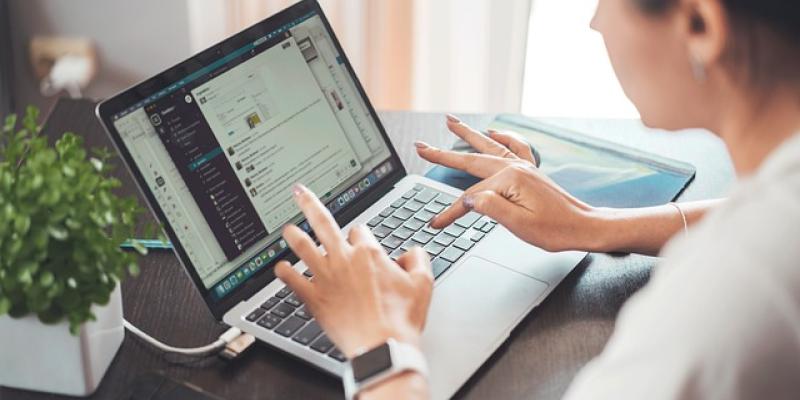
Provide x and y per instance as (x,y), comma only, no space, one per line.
(538,361)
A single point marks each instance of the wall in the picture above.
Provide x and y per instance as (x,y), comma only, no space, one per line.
(134,39)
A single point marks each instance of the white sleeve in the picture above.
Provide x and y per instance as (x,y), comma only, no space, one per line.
(722,322)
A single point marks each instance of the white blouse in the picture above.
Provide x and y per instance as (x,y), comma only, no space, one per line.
(720,318)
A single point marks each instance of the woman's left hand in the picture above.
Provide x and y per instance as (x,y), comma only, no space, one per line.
(359,296)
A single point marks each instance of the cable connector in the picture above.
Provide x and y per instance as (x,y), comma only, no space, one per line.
(237,346)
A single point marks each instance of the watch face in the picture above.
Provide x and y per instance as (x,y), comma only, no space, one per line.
(371,363)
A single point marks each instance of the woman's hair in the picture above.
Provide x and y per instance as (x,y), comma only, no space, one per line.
(765,45)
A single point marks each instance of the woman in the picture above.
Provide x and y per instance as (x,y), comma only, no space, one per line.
(721,315)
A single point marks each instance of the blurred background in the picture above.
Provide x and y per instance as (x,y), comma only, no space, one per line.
(537,57)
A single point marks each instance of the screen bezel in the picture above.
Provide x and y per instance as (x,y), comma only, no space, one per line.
(120,102)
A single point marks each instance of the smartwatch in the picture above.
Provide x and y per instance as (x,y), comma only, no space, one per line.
(379,364)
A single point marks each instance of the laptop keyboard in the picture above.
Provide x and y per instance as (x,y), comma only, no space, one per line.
(399,227)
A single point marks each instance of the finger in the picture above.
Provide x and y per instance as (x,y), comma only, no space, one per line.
(480,165)
(320,219)
(517,146)
(302,245)
(476,139)
(297,282)
(497,207)
(498,182)
(359,234)
(417,263)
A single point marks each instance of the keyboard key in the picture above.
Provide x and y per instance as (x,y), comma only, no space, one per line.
(283,310)
(467,220)
(445,199)
(452,254)
(454,230)
(477,236)
(414,224)
(422,237)
(424,215)
(463,244)
(426,195)
(414,205)
(256,314)
(303,313)
(375,221)
(337,355)
(269,321)
(418,187)
(290,326)
(308,333)
(322,344)
(444,239)
(432,231)
(386,212)
(435,208)
(285,291)
(293,301)
(397,253)
(433,248)
(271,302)
(381,232)
(308,273)
(403,233)
(403,214)
(439,266)
(398,203)
(409,194)
(387,250)
(392,242)
(392,222)
(488,227)
(409,244)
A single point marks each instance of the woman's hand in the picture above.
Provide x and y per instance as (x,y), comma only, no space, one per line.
(514,192)
(359,296)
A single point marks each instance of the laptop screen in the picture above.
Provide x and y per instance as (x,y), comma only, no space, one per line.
(221,147)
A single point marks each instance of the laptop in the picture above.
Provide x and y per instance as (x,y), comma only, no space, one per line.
(215,144)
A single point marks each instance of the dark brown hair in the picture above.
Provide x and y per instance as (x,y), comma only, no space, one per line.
(765,45)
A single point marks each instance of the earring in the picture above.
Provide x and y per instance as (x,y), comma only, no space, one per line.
(698,69)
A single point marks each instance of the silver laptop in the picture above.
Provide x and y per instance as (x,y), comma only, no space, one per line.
(215,144)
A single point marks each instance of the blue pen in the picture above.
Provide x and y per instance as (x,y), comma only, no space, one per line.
(151,244)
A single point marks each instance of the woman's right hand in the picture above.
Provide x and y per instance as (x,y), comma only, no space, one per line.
(514,192)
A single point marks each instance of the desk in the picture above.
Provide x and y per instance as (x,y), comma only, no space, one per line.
(538,361)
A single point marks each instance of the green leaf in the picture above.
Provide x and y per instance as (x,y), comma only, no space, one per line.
(5,305)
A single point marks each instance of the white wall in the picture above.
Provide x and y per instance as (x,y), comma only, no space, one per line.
(135,39)
(568,73)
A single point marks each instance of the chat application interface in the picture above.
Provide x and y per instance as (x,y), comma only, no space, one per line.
(222,148)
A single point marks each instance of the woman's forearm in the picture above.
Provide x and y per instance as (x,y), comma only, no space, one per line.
(644,230)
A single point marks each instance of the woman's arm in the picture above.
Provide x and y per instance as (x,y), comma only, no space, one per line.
(644,230)
(536,209)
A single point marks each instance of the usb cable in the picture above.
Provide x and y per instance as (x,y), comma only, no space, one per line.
(229,345)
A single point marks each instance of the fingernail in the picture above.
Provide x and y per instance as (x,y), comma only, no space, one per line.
(469,202)
(421,145)
(491,131)
(298,189)
(452,118)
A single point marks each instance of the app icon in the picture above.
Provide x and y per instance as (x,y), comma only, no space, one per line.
(271,253)
(259,261)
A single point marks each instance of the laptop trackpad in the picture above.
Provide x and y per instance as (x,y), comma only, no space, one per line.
(472,312)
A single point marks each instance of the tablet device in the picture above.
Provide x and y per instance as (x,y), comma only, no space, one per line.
(599,172)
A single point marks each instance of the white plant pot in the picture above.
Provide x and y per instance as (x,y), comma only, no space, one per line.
(47,358)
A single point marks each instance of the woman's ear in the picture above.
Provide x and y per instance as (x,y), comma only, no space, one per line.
(705,25)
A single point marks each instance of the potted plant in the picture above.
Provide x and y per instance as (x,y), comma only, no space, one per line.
(60,262)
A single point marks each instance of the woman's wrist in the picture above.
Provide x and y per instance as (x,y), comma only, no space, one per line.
(377,336)
(603,230)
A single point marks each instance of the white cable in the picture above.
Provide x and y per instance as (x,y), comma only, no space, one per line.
(214,347)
